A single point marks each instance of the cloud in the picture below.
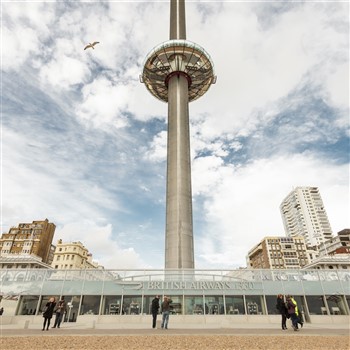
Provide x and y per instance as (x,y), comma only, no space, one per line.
(99,239)
(84,142)
(244,207)
(295,50)
(23,32)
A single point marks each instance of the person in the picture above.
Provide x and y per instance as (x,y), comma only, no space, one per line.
(60,310)
(48,312)
(281,307)
(298,313)
(154,309)
(293,311)
(166,311)
(1,311)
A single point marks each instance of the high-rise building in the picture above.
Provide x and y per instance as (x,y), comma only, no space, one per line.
(29,239)
(177,72)
(72,256)
(279,253)
(304,214)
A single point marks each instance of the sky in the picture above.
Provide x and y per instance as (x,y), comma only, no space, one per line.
(83,143)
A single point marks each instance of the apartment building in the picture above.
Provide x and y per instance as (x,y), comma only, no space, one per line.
(279,253)
(29,239)
(304,214)
(72,256)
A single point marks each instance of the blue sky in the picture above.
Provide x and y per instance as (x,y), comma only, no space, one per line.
(84,142)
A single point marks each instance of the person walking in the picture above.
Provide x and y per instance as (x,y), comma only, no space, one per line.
(297,312)
(154,309)
(166,311)
(281,307)
(293,311)
(60,311)
(48,312)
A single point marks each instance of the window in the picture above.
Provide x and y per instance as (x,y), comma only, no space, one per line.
(254,305)
(28,305)
(336,304)
(234,305)
(194,305)
(131,305)
(214,305)
(316,305)
(111,305)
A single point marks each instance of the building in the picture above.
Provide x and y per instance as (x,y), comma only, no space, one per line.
(279,253)
(29,239)
(72,256)
(339,244)
(334,253)
(210,298)
(330,262)
(178,72)
(19,261)
(304,214)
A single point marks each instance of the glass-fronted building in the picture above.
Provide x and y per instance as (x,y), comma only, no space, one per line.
(200,293)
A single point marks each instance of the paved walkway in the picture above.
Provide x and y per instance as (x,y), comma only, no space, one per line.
(243,329)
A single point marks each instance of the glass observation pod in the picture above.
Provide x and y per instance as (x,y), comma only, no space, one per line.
(178,57)
(252,293)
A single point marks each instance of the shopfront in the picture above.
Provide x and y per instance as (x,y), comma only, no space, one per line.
(200,293)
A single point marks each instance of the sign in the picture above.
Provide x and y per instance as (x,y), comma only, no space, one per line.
(202,285)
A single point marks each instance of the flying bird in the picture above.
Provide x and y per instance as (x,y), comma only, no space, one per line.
(91,45)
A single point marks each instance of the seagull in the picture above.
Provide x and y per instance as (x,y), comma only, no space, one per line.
(91,45)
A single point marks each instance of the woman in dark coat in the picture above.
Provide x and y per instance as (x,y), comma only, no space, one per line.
(48,312)
(281,307)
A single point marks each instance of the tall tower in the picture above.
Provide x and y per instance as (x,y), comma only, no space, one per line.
(303,214)
(178,72)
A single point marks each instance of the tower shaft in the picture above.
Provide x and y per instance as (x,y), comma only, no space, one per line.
(177,72)
(179,229)
(177,19)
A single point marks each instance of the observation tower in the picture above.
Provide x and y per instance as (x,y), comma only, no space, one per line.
(178,72)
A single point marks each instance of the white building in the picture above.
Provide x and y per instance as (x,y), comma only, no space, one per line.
(303,214)
(73,256)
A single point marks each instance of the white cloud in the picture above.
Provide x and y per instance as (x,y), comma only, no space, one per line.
(64,71)
(103,103)
(24,28)
(337,88)
(98,239)
(300,46)
(268,57)
(242,205)
(158,148)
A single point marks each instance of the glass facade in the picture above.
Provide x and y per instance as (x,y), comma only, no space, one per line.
(237,292)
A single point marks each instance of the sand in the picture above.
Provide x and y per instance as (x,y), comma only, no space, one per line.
(166,341)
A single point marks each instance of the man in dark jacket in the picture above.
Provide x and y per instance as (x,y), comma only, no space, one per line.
(154,309)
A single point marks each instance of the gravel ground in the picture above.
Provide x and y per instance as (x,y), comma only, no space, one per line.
(294,341)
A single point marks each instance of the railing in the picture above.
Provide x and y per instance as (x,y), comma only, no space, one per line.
(248,275)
